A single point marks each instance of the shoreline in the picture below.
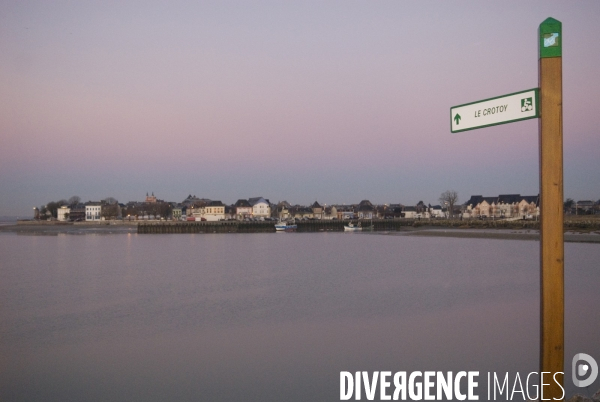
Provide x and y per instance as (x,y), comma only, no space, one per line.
(498,234)
(571,236)
(69,228)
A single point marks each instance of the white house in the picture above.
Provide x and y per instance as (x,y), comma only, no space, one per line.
(93,211)
(410,212)
(437,212)
(260,207)
(214,211)
(62,214)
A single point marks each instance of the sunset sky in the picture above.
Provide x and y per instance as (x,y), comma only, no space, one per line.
(335,101)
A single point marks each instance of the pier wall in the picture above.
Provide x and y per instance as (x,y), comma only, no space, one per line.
(338,226)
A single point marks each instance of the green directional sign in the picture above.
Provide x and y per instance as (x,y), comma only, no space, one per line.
(493,111)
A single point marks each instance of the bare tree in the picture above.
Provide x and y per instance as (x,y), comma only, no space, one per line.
(110,211)
(110,200)
(74,200)
(449,197)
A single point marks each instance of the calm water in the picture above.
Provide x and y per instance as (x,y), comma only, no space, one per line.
(271,317)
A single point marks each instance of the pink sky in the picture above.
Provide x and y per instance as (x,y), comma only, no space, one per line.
(335,101)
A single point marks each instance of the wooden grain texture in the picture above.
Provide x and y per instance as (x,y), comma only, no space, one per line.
(551,224)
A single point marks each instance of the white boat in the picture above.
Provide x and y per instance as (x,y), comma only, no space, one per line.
(351,228)
(282,226)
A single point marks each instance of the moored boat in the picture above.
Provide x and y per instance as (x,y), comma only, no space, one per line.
(283,226)
(350,227)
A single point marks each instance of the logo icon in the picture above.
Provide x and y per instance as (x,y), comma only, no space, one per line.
(526,104)
(581,370)
(551,40)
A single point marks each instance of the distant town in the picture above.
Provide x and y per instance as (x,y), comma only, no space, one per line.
(192,208)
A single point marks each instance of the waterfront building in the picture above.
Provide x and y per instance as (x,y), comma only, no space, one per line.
(300,212)
(529,207)
(380,211)
(77,212)
(330,212)
(243,209)
(214,211)
(178,211)
(409,212)
(230,212)
(261,207)
(317,210)
(504,206)
(283,210)
(437,212)
(365,210)
(63,213)
(487,206)
(195,213)
(93,211)
(344,211)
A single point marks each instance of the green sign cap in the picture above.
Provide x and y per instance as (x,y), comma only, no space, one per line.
(550,38)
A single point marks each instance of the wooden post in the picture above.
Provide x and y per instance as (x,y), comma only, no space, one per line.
(551,208)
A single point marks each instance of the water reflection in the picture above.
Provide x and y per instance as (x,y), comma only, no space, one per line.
(263,317)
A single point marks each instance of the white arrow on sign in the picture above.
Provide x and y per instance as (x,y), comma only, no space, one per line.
(490,112)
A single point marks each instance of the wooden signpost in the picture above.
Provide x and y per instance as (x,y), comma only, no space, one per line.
(552,321)
(544,103)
